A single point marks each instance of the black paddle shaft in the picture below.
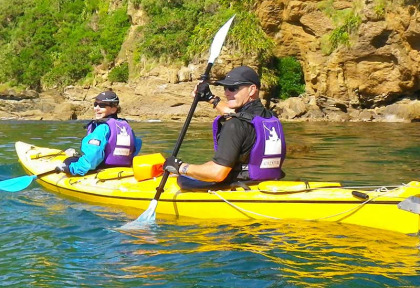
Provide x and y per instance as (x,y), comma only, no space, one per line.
(181,136)
(46,173)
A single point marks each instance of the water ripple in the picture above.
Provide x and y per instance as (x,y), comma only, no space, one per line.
(50,241)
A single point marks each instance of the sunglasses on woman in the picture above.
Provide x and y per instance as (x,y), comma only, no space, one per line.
(101,105)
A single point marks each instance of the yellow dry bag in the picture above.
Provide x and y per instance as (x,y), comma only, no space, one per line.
(148,166)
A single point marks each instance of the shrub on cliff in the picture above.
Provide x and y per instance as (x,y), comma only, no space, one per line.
(290,78)
(119,73)
(184,30)
(57,42)
(54,43)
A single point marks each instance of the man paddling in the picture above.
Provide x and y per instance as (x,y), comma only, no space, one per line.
(249,143)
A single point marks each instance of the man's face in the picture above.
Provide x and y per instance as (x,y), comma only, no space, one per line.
(238,96)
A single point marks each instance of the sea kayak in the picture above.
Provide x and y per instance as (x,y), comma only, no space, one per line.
(390,208)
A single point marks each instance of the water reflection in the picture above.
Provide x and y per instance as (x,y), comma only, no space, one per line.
(300,252)
(50,241)
(354,153)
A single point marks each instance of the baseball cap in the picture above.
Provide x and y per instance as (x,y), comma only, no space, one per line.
(239,76)
(108,97)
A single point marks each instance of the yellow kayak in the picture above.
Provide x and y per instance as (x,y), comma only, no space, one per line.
(391,208)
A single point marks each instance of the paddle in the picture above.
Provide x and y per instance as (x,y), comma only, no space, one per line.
(20,183)
(216,47)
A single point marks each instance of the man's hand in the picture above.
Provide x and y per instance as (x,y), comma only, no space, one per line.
(203,92)
(172,165)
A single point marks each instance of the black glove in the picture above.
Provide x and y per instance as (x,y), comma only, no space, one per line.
(172,165)
(62,167)
(203,92)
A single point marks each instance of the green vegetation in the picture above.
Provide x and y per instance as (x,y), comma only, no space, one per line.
(380,7)
(167,34)
(347,21)
(289,77)
(183,30)
(341,34)
(119,73)
(55,43)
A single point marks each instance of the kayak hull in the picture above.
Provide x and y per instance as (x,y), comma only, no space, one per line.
(276,200)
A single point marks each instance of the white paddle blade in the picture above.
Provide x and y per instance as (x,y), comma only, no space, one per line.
(219,38)
(146,217)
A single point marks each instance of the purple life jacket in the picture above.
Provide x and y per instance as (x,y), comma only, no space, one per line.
(121,143)
(269,150)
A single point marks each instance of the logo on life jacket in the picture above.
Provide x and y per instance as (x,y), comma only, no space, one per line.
(270,163)
(273,144)
(123,140)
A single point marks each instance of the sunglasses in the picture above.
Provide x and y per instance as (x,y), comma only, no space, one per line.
(101,105)
(232,88)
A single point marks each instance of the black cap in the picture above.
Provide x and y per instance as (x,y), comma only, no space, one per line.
(239,76)
(108,97)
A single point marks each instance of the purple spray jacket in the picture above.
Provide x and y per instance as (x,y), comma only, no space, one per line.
(269,150)
(121,143)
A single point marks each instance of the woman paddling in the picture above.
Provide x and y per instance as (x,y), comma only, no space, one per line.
(110,141)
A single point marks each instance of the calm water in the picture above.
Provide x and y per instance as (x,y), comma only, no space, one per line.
(48,241)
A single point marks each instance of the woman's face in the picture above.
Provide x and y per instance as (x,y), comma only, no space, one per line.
(103,109)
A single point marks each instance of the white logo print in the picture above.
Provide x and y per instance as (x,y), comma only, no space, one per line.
(123,139)
(272,142)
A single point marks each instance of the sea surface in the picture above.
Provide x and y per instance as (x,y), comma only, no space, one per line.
(50,241)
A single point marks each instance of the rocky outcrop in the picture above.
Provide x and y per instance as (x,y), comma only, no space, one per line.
(376,77)
(380,66)
(151,98)
(311,108)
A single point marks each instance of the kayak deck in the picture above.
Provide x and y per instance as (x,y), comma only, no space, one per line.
(326,201)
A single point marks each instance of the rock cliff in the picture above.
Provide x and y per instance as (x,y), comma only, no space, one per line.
(374,75)
(379,66)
